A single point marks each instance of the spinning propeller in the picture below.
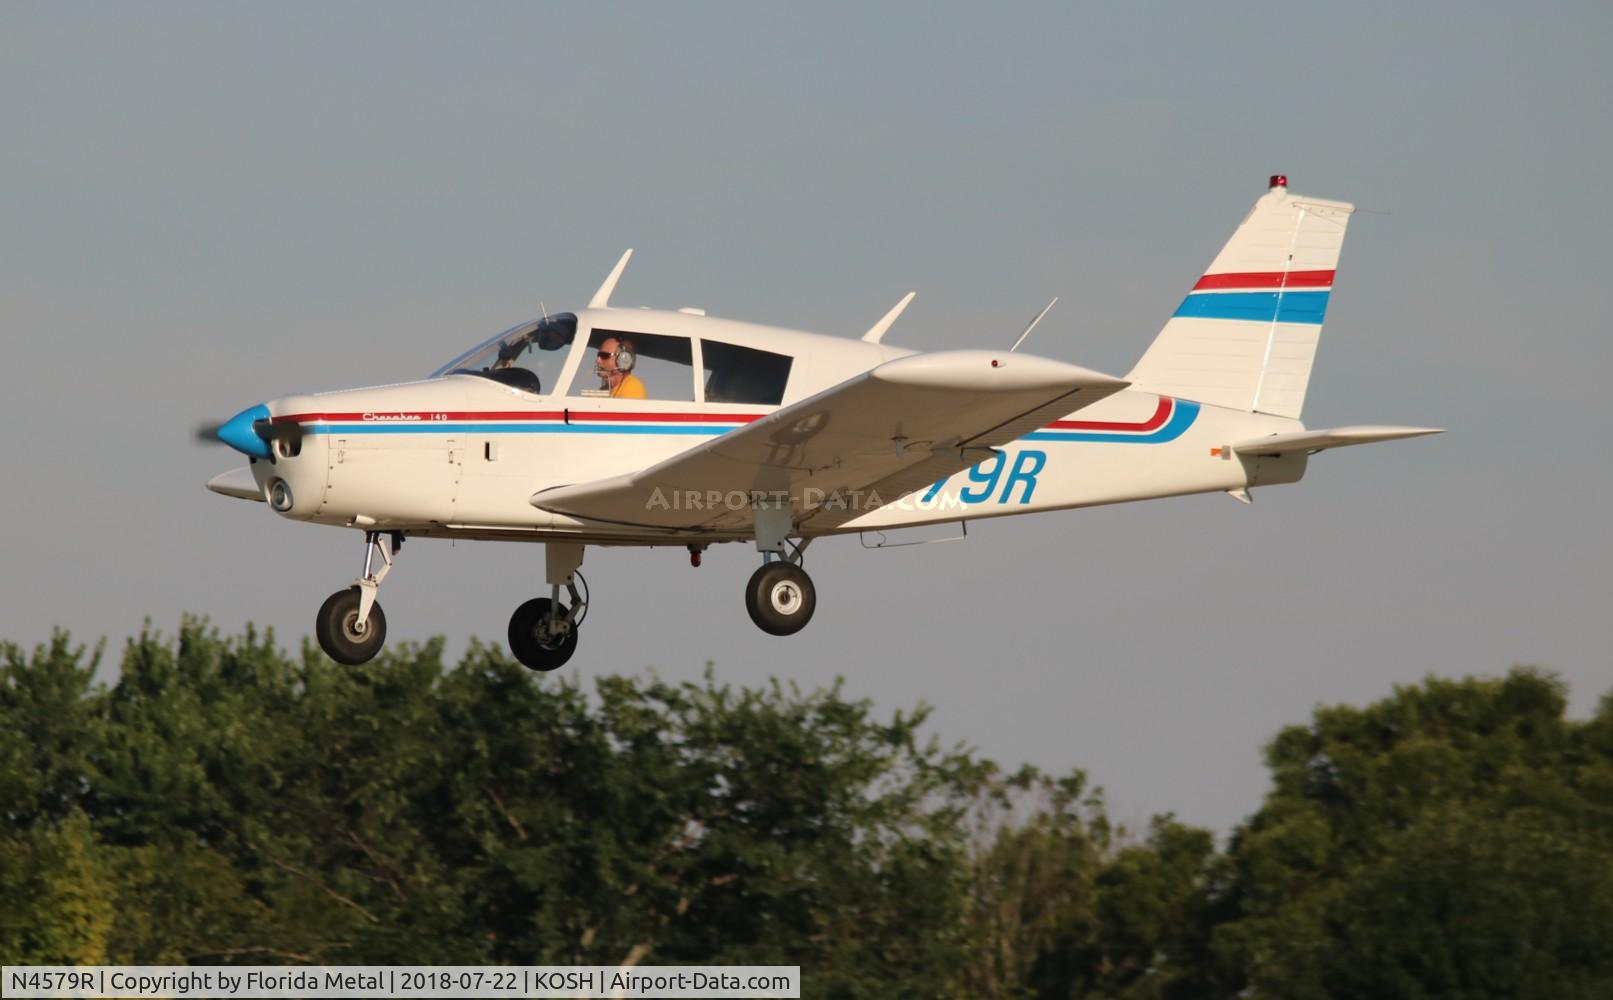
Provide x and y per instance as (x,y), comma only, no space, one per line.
(250,432)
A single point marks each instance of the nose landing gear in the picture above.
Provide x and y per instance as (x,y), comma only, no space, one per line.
(341,634)
(350,626)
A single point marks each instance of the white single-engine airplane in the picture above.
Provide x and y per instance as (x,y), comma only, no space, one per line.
(613,426)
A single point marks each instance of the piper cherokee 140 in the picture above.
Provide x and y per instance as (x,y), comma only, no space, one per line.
(611,426)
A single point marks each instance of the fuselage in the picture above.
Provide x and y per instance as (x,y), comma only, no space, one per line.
(461,454)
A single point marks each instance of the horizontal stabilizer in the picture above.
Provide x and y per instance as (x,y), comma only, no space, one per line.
(1337,437)
(236,483)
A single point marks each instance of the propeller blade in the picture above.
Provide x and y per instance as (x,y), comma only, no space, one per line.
(251,432)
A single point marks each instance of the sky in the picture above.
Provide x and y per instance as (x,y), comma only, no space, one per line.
(204,206)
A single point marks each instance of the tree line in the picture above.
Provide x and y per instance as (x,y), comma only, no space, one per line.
(224,801)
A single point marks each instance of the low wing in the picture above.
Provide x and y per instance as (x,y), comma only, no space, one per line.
(889,431)
(1338,437)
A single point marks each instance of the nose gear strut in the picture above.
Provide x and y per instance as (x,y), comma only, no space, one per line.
(350,626)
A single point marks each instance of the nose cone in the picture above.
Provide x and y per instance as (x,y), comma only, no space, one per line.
(239,433)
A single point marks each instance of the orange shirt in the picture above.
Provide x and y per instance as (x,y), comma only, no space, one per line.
(630,387)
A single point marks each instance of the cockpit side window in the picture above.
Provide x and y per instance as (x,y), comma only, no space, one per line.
(524,357)
(621,364)
(737,374)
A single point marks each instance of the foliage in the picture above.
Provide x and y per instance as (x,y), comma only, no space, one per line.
(1454,840)
(225,802)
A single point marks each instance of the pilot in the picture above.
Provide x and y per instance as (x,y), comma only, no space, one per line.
(615,369)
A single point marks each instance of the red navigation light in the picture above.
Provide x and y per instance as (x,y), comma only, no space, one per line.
(1279,180)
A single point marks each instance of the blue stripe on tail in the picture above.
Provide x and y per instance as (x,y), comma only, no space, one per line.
(1258,307)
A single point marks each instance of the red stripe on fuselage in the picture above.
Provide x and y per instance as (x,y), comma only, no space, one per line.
(1161,413)
(1266,279)
(440,416)
(677,418)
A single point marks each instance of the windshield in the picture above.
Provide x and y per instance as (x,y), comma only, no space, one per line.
(526,356)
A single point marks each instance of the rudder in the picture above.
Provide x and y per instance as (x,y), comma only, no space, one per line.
(1245,337)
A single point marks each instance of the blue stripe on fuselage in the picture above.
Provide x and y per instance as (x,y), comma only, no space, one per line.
(1183,414)
(447,427)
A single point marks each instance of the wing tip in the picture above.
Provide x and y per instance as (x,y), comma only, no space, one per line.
(977,370)
(237,483)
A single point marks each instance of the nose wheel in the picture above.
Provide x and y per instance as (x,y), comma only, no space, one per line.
(350,626)
(780,598)
(341,634)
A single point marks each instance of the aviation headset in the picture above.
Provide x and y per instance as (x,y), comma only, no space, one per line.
(625,357)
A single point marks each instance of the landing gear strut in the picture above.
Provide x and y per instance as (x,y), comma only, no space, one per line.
(543,631)
(350,626)
(780,596)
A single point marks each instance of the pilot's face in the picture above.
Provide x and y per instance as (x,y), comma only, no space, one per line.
(607,354)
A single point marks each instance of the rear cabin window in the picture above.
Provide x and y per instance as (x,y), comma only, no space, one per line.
(743,374)
(625,365)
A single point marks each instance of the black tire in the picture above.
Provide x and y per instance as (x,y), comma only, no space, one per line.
(338,634)
(780,598)
(529,642)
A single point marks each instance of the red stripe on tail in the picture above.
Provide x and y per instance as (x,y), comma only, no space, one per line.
(1266,279)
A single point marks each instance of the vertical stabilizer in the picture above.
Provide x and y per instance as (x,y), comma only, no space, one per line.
(1245,337)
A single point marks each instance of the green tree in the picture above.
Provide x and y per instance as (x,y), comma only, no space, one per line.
(1153,916)
(48,725)
(242,805)
(224,801)
(59,895)
(1425,846)
(1032,914)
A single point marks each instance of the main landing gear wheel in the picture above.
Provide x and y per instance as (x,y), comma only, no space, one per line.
(780,598)
(341,636)
(539,641)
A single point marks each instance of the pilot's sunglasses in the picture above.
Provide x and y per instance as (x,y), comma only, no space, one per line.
(607,354)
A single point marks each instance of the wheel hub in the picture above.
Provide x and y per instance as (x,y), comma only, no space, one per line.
(786,597)
(780,598)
